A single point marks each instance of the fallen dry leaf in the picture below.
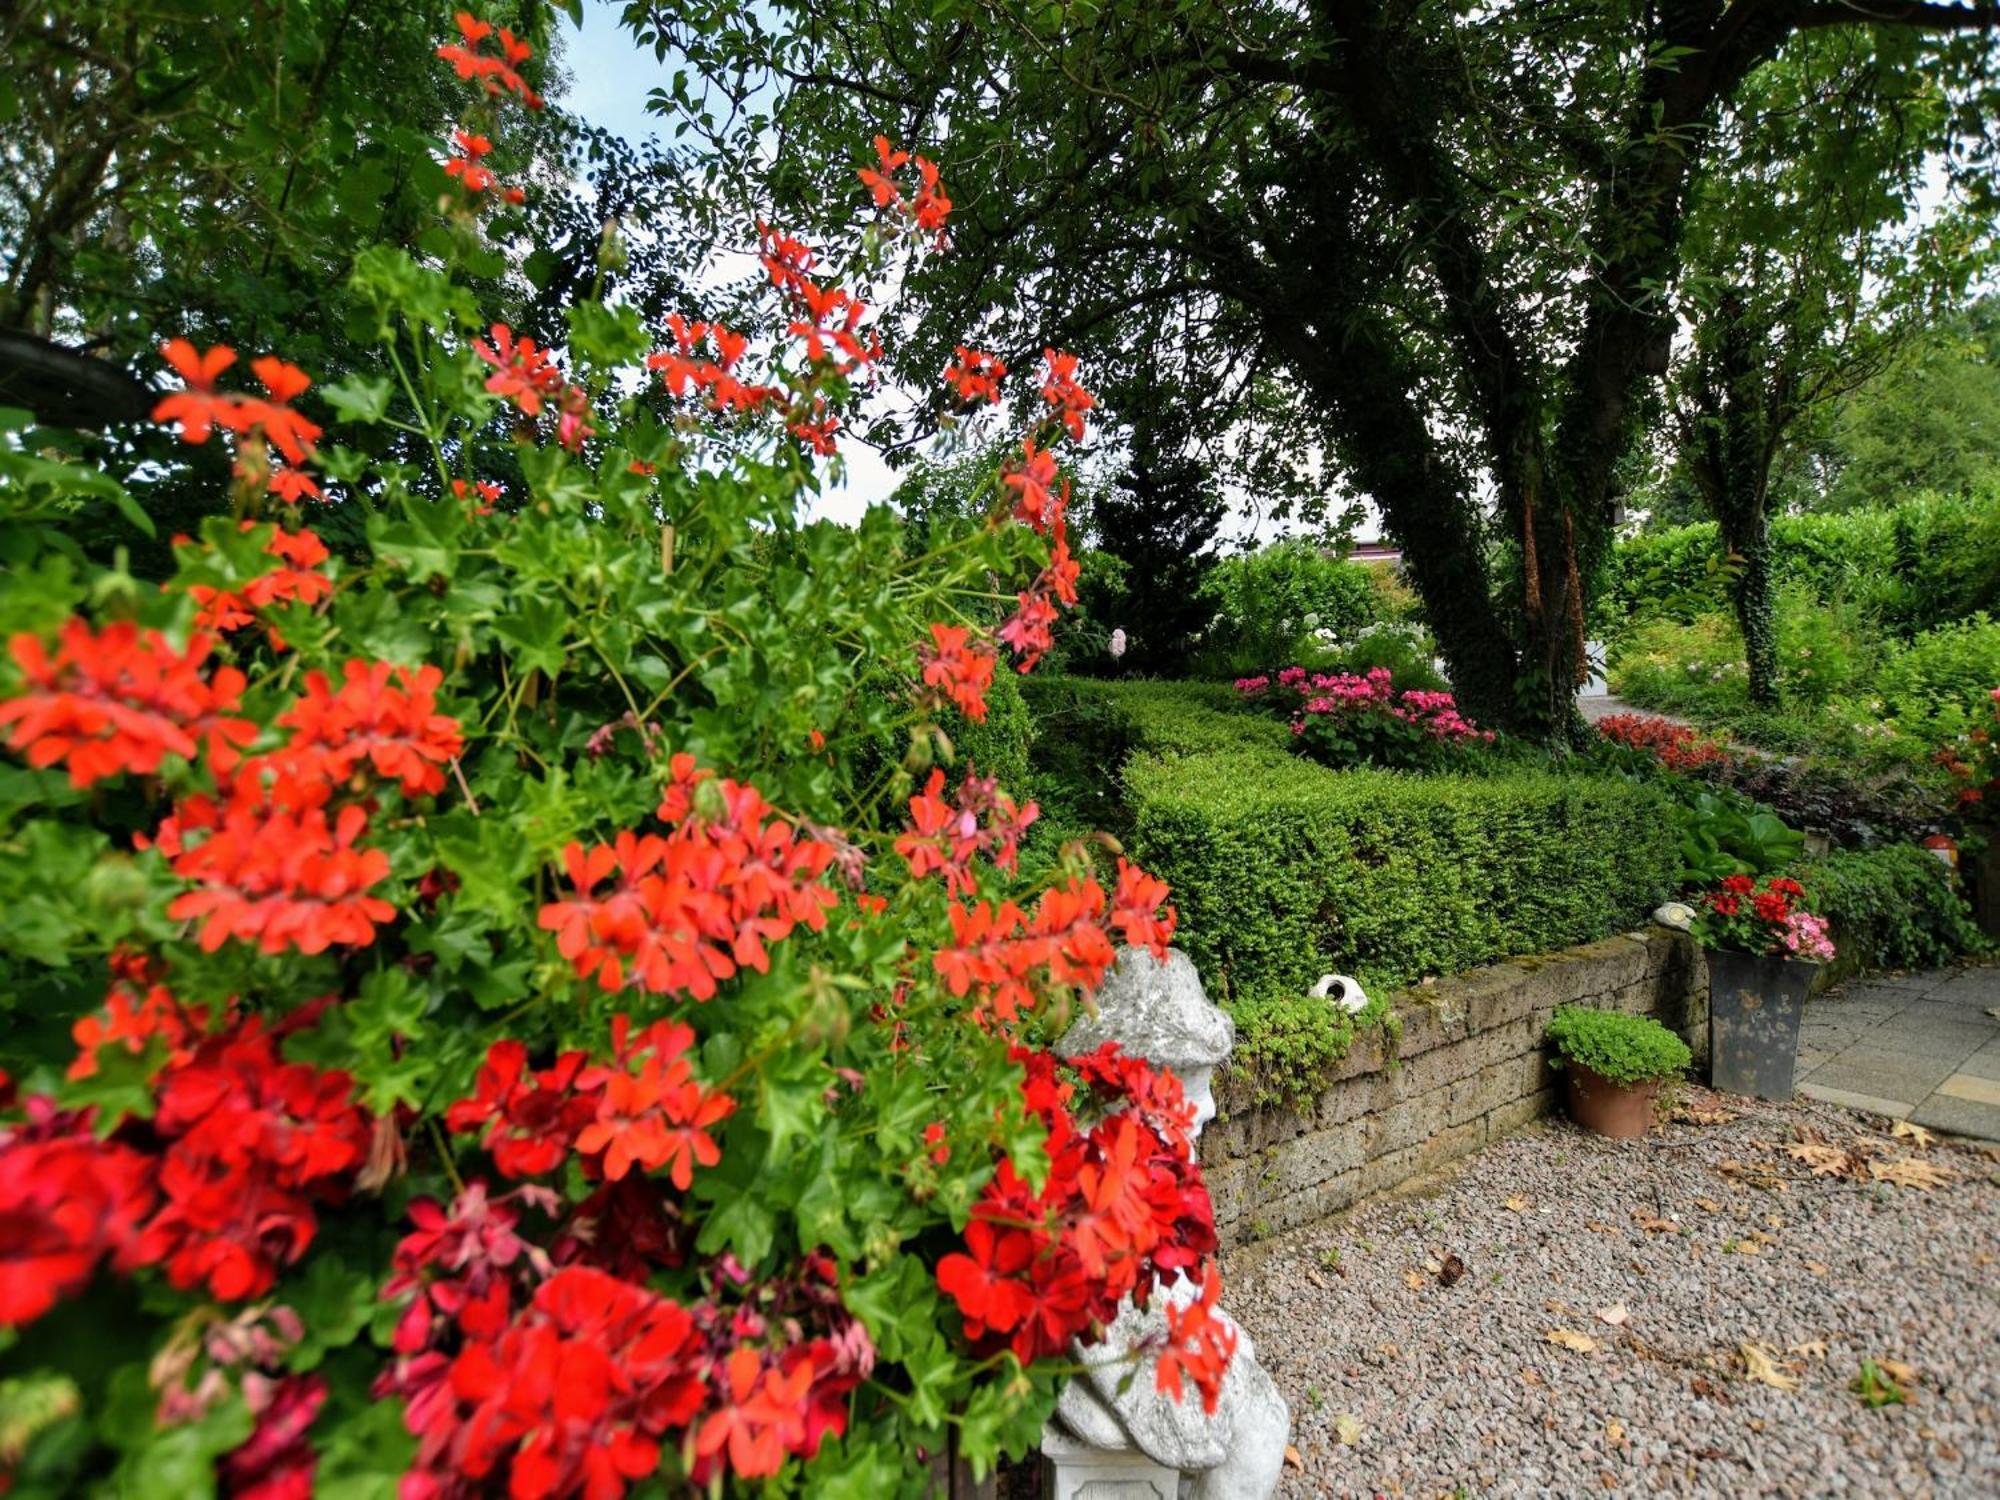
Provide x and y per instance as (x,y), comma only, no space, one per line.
(1825,1161)
(1416,1281)
(1292,1457)
(1450,1270)
(1811,1349)
(1907,1171)
(1816,1267)
(1901,1373)
(1755,1176)
(1529,1377)
(1615,1315)
(1703,1116)
(1582,1343)
(1656,1226)
(1708,1205)
(1745,1247)
(1317,1280)
(1600,1228)
(1516,1205)
(1347,1427)
(1387,1351)
(1761,1363)
(1916,1135)
(1614,1431)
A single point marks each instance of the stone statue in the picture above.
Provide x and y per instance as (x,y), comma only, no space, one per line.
(1113,1437)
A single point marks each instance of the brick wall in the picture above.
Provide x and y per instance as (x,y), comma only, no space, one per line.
(1471,1066)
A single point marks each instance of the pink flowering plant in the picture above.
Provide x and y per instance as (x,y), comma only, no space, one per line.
(1355,719)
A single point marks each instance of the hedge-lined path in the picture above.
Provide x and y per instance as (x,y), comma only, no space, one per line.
(1922,1047)
(1567,1315)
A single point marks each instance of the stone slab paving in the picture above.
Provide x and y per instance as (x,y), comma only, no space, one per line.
(1922,1047)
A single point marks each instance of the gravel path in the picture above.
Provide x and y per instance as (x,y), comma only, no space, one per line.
(1707,1236)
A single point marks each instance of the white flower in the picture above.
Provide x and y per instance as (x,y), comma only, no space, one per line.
(1117,643)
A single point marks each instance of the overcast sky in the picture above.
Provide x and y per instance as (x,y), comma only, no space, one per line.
(611,77)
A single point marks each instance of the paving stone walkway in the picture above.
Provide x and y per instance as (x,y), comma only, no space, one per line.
(1922,1047)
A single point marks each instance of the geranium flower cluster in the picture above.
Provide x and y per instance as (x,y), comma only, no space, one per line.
(201,408)
(497,72)
(220,1188)
(1678,747)
(524,374)
(299,578)
(121,699)
(643,1109)
(960,669)
(272,863)
(945,837)
(927,209)
(467,166)
(1744,915)
(566,1375)
(1002,957)
(1121,1213)
(690,907)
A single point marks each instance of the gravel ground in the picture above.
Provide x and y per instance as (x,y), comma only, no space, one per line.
(1445,1381)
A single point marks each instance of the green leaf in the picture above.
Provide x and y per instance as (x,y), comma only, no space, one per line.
(359,398)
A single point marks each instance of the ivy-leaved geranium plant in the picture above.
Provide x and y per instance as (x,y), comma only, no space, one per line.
(484,1016)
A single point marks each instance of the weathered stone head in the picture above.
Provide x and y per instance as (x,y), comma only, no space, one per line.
(1156,1009)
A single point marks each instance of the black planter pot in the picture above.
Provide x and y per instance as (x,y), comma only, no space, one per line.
(1754,1005)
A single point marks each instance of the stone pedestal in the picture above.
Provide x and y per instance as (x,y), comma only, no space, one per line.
(1113,1436)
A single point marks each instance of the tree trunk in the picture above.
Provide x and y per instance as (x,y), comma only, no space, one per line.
(1749,543)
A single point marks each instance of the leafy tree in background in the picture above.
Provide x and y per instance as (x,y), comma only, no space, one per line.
(1806,268)
(214,172)
(1434,242)
(1930,420)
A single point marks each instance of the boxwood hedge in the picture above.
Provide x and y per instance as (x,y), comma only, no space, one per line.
(1284,871)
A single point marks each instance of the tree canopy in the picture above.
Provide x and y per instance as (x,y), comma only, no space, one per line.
(1435,246)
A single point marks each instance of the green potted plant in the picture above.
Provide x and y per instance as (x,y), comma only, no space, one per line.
(1615,1065)
(1764,947)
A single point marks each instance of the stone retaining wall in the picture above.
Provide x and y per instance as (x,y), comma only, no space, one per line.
(1471,1065)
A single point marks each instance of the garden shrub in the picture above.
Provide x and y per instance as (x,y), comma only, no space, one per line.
(1344,719)
(1917,565)
(1937,686)
(1621,1048)
(1897,907)
(1284,870)
(1409,655)
(1284,602)
(475,1028)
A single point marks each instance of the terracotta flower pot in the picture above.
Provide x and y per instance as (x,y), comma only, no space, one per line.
(1755,1002)
(1622,1110)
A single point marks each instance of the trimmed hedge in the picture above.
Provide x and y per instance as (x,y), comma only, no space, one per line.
(1896,907)
(1085,729)
(999,744)
(1929,560)
(1284,871)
